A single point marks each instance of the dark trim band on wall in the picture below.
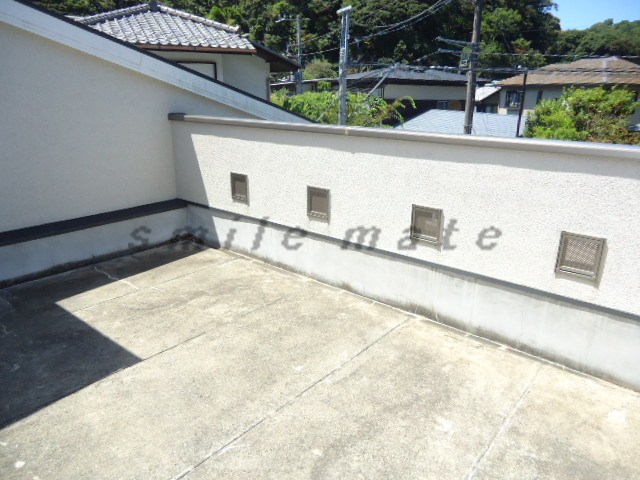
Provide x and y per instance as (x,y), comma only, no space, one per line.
(387,254)
(37,232)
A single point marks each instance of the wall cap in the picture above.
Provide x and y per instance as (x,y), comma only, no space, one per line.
(525,144)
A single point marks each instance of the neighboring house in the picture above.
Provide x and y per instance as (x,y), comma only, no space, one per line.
(428,87)
(291,85)
(217,50)
(550,81)
(452,122)
(488,98)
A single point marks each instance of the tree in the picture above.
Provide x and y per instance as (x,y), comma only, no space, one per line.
(604,38)
(586,114)
(90,7)
(362,110)
(319,68)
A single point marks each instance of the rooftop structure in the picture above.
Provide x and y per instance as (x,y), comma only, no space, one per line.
(154,26)
(587,71)
(214,49)
(550,82)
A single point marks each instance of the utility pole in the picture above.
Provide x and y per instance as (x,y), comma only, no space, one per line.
(471,74)
(297,75)
(521,108)
(344,61)
(299,72)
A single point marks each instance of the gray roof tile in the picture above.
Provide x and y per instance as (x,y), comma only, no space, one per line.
(165,26)
(452,122)
(404,73)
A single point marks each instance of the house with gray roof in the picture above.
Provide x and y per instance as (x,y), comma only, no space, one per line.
(428,87)
(549,82)
(214,49)
(452,123)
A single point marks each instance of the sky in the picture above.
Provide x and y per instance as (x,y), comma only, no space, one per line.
(584,13)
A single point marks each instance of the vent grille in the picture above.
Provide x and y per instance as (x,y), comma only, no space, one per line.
(426,224)
(240,188)
(318,202)
(580,255)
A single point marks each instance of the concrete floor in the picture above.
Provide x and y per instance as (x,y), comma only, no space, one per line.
(185,362)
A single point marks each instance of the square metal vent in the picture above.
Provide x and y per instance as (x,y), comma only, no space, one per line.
(240,188)
(426,224)
(580,255)
(318,202)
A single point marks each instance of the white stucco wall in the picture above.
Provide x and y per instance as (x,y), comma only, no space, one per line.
(529,190)
(425,92)
(81,136)
(247,72)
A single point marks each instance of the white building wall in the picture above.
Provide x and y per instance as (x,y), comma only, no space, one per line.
(247,72)
(530,191)
(85,126)
(81,136)
(530,99)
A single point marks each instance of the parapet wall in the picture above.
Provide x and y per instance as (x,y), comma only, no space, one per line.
(505,202)
(505,205)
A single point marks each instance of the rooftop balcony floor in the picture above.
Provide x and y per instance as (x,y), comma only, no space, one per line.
(188,362)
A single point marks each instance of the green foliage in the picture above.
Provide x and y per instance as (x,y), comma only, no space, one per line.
(319,68)
(323,107)
(604,38)
(506,23)
(585,114)
(524,29)
(90,7)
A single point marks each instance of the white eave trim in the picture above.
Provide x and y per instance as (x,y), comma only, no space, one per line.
(48,26)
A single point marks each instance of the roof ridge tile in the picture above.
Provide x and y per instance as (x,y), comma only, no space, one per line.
(113,14)
(196,18)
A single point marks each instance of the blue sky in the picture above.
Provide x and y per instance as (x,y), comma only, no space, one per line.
(584,13)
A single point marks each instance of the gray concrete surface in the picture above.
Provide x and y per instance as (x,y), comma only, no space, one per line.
(186,362)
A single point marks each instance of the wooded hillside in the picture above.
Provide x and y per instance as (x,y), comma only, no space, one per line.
(515,32)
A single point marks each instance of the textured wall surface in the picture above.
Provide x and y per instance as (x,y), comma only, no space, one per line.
(81,136)
(505,202)
(247,72)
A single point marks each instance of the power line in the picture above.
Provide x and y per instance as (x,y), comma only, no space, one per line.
(439,5)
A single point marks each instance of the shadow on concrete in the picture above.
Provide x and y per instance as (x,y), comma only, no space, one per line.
(47,353)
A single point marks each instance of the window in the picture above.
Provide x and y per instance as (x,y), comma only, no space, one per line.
(426,224)
(318,202)
(240,188)
(580,255)
(209,69)
(513,99)
(442,105)
(539,97)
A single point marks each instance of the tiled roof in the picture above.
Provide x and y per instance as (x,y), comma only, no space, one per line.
(452,122)
(588,71)
(161,26)
(411,75)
